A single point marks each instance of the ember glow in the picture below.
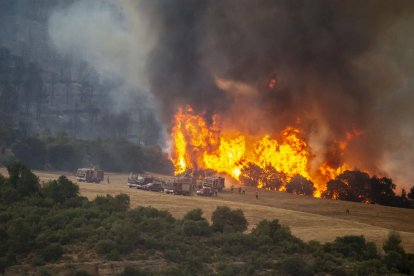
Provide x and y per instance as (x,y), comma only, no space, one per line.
(198,145)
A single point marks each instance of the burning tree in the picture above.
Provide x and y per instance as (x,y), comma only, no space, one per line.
(300,185)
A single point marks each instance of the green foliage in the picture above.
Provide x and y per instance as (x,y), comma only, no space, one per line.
(108,249)
(271,234)
(52,252)
(295,265)
(395,258)
(195,214)
(60,190)
(354,247)
(31,151)
(119,203)
(22,180)
(224,218)
(130,271)
(196,228)
(393,243)
(62,152)
(36,228)
(371,267)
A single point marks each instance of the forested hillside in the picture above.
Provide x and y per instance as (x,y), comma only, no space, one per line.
(42,91)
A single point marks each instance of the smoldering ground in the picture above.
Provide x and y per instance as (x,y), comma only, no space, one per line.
(339,65)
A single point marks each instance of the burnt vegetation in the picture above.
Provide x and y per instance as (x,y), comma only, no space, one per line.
(50,223)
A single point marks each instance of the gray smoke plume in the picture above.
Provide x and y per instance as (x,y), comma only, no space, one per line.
(340,67)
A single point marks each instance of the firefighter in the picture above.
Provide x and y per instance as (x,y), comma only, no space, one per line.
(257,194)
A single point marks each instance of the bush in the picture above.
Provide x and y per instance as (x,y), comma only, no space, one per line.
(295,266)
(393,243)
(196,228)
(108,249)
(397,262)
(354,247)
(22,179)
(52,252)
(371,267)
(60,190)
(271,233)
(130,271)
(224,218)
(195,214)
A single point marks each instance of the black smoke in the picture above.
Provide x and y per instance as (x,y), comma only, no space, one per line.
(339,65)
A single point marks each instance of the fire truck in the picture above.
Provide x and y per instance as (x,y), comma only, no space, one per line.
(180,186)
(215,183)
(90,175)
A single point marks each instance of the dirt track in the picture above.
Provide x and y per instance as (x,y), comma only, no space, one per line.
(308,218)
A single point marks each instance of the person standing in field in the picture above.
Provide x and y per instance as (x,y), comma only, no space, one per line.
(107,179)
(257,194)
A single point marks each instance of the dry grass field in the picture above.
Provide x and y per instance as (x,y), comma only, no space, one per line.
(308,218)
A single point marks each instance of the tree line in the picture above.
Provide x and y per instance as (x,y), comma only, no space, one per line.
(65,153)
(355,185)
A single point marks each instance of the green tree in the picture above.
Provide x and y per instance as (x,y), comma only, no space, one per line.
(393,243)
(195,214)
(52,252)
(295,265)
(225,218)
(22,179)
(61,189)
(31,151)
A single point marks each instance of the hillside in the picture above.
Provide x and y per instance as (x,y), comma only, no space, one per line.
(308,218)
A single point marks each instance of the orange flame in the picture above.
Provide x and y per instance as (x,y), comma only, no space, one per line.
(198,145)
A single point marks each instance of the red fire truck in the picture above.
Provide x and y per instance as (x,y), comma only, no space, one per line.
(90,175)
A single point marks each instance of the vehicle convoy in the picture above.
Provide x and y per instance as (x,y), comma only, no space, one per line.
(90,175)
(138,181)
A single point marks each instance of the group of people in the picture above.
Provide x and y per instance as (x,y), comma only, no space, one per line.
(240,190)
(243,192)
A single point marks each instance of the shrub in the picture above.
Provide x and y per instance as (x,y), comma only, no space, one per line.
(22,179)
(295,266)
(52,252)
(236,244)
(61,189)
(130,271)
(223,218)
(271,233)
(103,247)
(397,262)
(195,214)
(196,228)
(371,267)
(393,243)
(353,247)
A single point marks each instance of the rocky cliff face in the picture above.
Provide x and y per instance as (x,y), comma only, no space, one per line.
(44,92)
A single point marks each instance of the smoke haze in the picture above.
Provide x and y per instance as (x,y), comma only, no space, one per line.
(341,67)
